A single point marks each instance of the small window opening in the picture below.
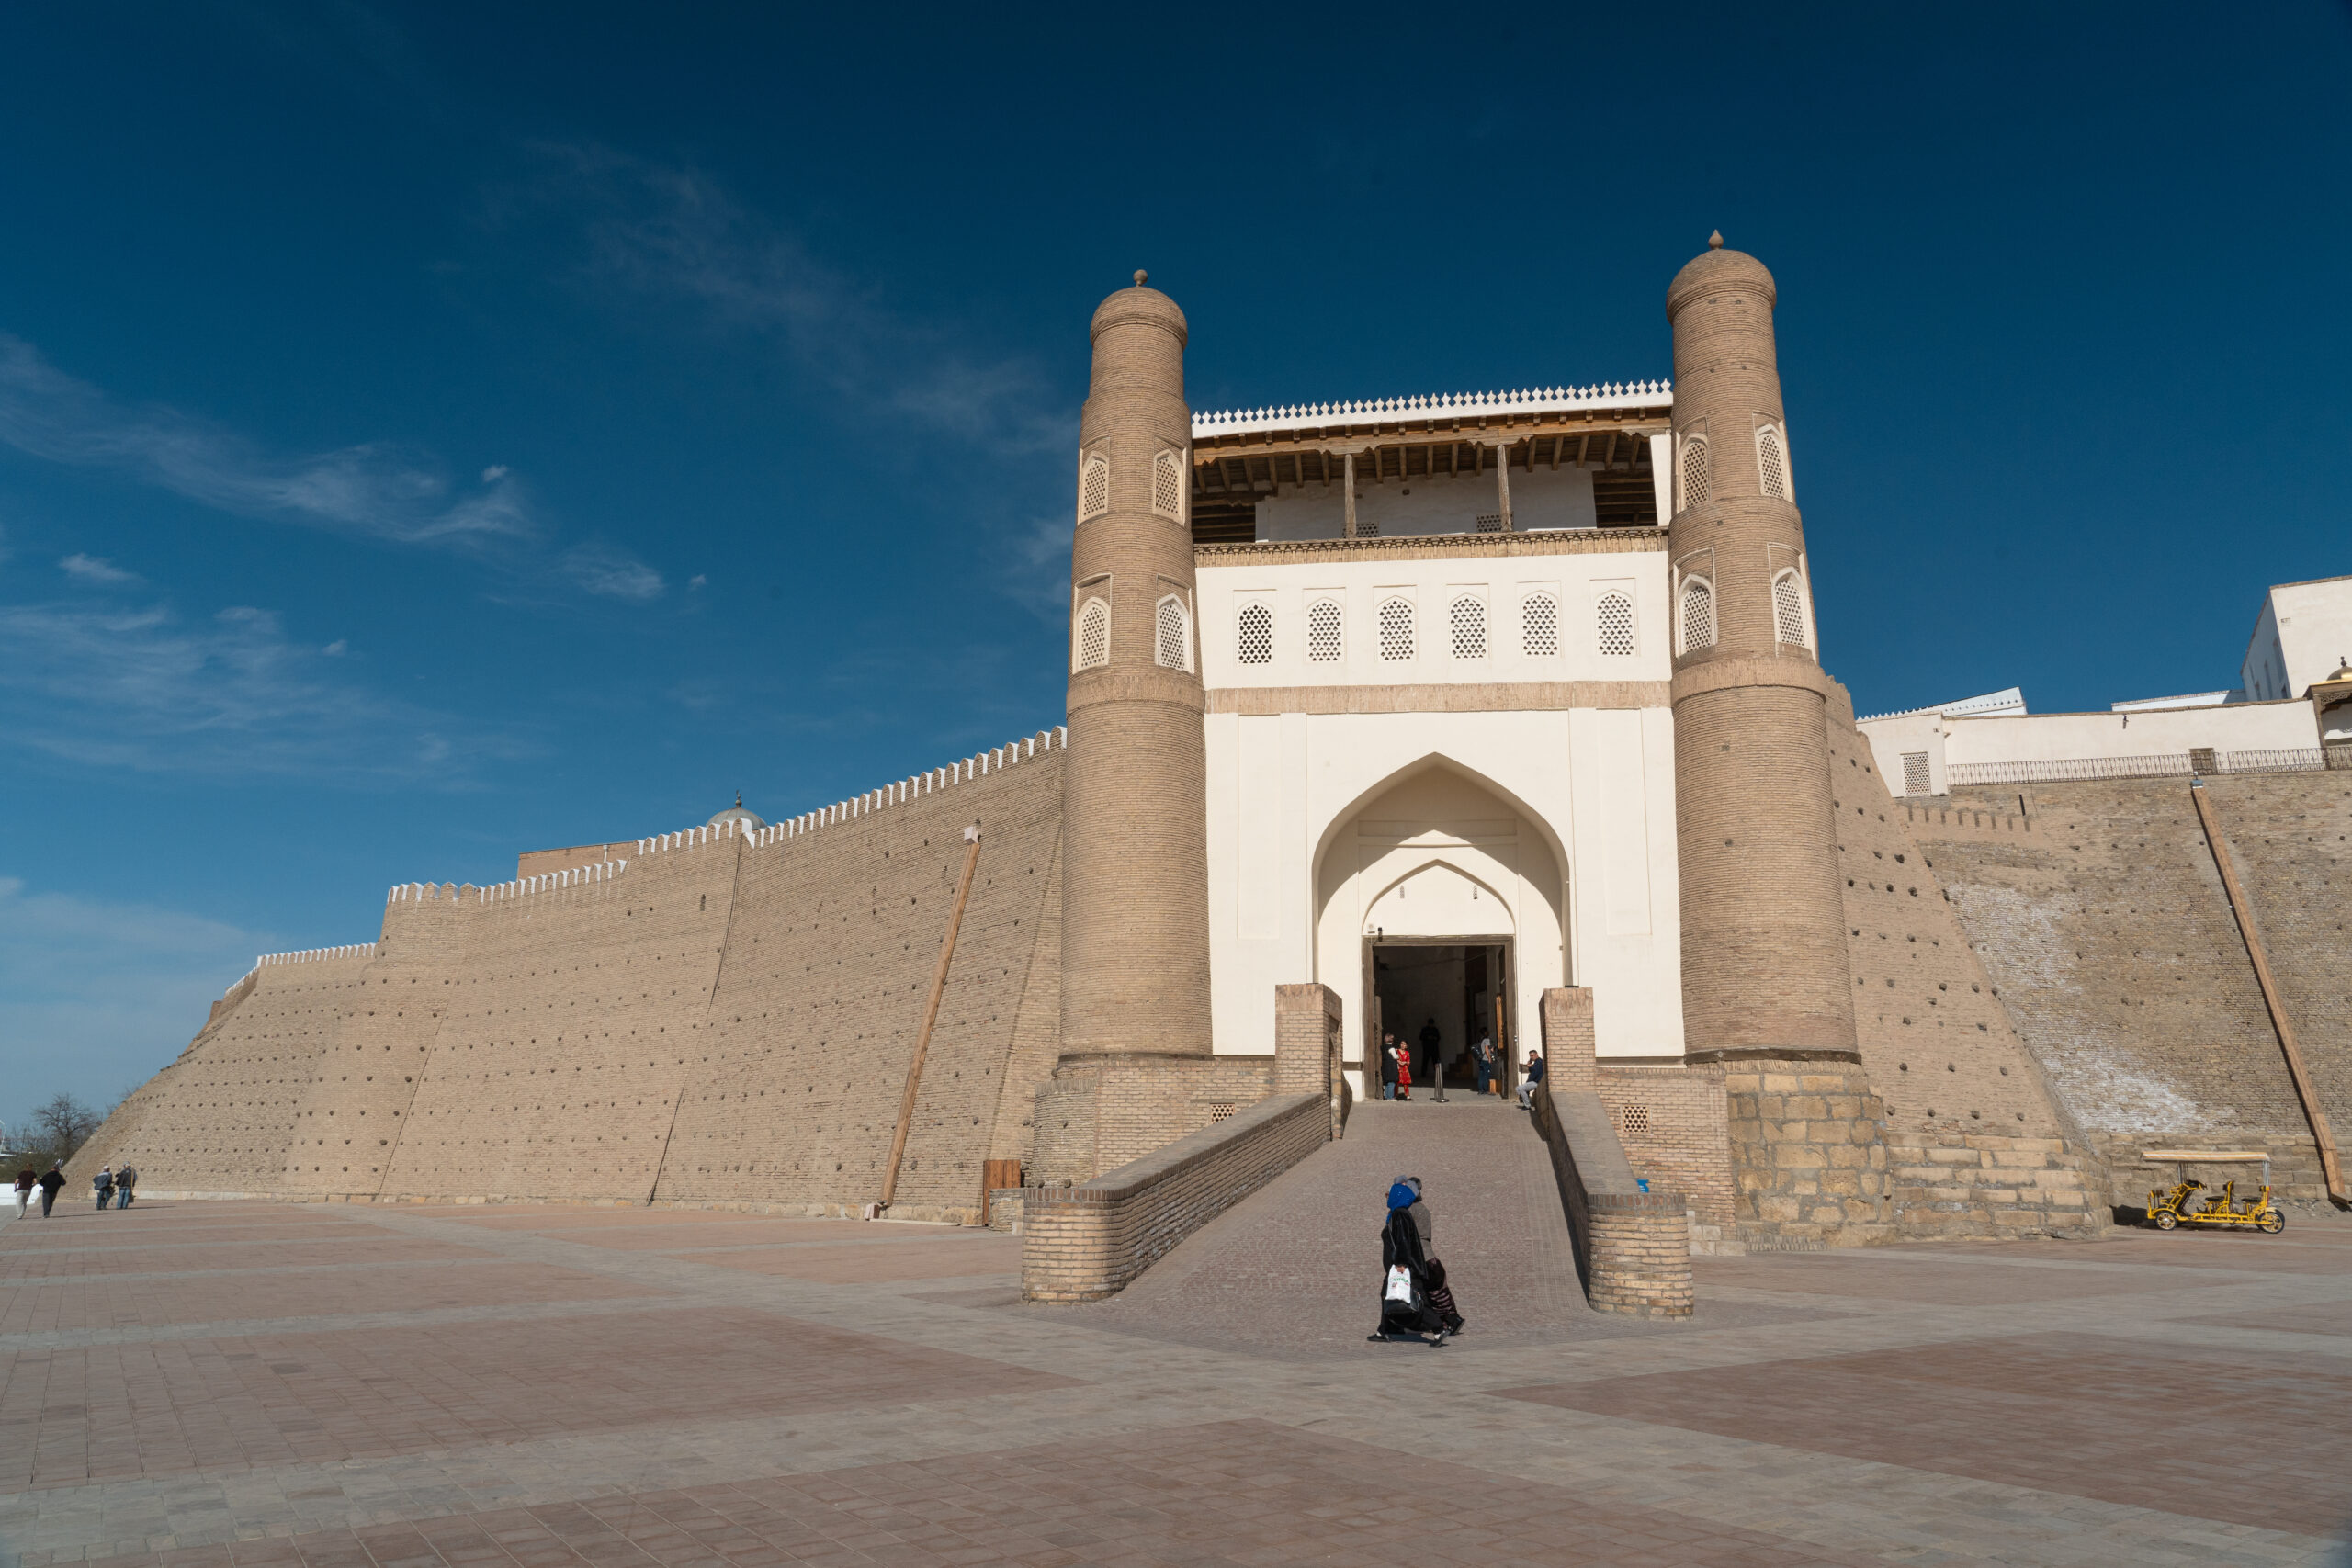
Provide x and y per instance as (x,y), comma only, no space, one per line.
(1254,635)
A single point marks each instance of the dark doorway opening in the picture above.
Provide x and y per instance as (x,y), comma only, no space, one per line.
(1440,1000)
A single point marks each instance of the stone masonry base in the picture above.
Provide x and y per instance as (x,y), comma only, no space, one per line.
(1955,1184)
(1808,1156)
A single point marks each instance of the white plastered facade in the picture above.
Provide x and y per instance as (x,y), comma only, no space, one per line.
(1469,791)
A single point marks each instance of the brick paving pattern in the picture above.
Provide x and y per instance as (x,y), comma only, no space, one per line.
(233,1385)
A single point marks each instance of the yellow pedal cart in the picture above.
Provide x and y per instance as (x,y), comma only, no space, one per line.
(2179,1207)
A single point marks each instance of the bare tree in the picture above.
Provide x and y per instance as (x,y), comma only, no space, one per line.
(56,1130)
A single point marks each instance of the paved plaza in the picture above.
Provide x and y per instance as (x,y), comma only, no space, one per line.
(199,1385)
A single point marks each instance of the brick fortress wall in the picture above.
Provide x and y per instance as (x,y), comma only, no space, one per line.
(2098,916)
(725,1019)
(1977,1142)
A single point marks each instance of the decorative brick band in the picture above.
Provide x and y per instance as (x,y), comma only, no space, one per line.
(1082,1243)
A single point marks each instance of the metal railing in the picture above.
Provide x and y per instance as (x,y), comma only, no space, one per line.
(2158,765)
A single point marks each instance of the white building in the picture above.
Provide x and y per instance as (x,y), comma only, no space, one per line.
(2302,636)
(2268,724)
(1440,768)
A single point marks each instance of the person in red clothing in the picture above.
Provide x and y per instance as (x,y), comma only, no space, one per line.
(1404,1071)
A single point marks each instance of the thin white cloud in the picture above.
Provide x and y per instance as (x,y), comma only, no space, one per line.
(375,489)
(140,687)
(94,569)
(96,994)
(610,572)
(664,229)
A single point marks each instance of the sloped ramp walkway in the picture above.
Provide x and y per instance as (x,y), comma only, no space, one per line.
(1296,1268)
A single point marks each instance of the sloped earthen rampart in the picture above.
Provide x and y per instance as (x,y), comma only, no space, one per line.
(716,1017)
(2106,928)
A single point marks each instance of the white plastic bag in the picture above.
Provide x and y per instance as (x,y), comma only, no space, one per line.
(1400,1286)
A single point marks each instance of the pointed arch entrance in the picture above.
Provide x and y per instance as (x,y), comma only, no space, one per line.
(1440,896)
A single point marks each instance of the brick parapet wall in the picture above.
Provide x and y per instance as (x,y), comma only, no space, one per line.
(1308,1044)
(1671,1122)
(1632,1248)
(1090,1240)
(1099,1112)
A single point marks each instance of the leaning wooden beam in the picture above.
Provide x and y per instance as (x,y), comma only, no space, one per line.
(930,1017)
(2321,1134)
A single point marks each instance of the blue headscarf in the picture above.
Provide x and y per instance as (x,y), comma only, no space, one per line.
(1402,1197)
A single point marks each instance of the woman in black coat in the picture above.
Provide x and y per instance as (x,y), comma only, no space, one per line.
(1400,1247)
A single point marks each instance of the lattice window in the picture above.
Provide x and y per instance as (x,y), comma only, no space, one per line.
(1170,644)
(1490,523)
(1698,615)
(1539,626)
(1468,617)
(1167,485)
(1397,629)
(1093,635)
(1326,632)
(1254,635)
(1223,1110)
(1788,609)
(1094,488)
(1694,470)
(1770,464)
(1367,529)
(1635,1118)
(1914,773)
(1615,618)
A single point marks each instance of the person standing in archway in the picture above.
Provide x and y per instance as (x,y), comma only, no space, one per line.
(1388,1067)
(1482,1062)
(1430,1041)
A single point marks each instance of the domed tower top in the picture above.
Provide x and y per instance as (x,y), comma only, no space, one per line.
(1716,268)
(1139,306)
(750,820)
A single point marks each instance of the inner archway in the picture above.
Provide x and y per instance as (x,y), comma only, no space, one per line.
(1438,882)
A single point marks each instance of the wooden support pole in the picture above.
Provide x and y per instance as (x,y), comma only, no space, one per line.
(2321,1134)
(1348,496)
(930,1016)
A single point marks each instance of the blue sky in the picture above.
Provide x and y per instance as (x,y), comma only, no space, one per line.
(430,433)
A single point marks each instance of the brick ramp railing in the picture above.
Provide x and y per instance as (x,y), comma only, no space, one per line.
(1089,1241)
(1632,1248)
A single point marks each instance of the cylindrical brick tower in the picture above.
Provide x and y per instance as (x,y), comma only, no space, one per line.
(1135,878)
(1767,985)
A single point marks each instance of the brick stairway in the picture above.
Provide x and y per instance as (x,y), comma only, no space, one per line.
(1296,1267)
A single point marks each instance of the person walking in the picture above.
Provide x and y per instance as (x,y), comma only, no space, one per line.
(50,1185)
(1425,1227)
(26,1180)
(1388,1067)
(125,1184)
(103,1185)
(1405,1309)
(1482,1062)
(1531,1076)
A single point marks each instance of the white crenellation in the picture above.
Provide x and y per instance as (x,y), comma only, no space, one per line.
(312,956)
(897,794)
(1541,399)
